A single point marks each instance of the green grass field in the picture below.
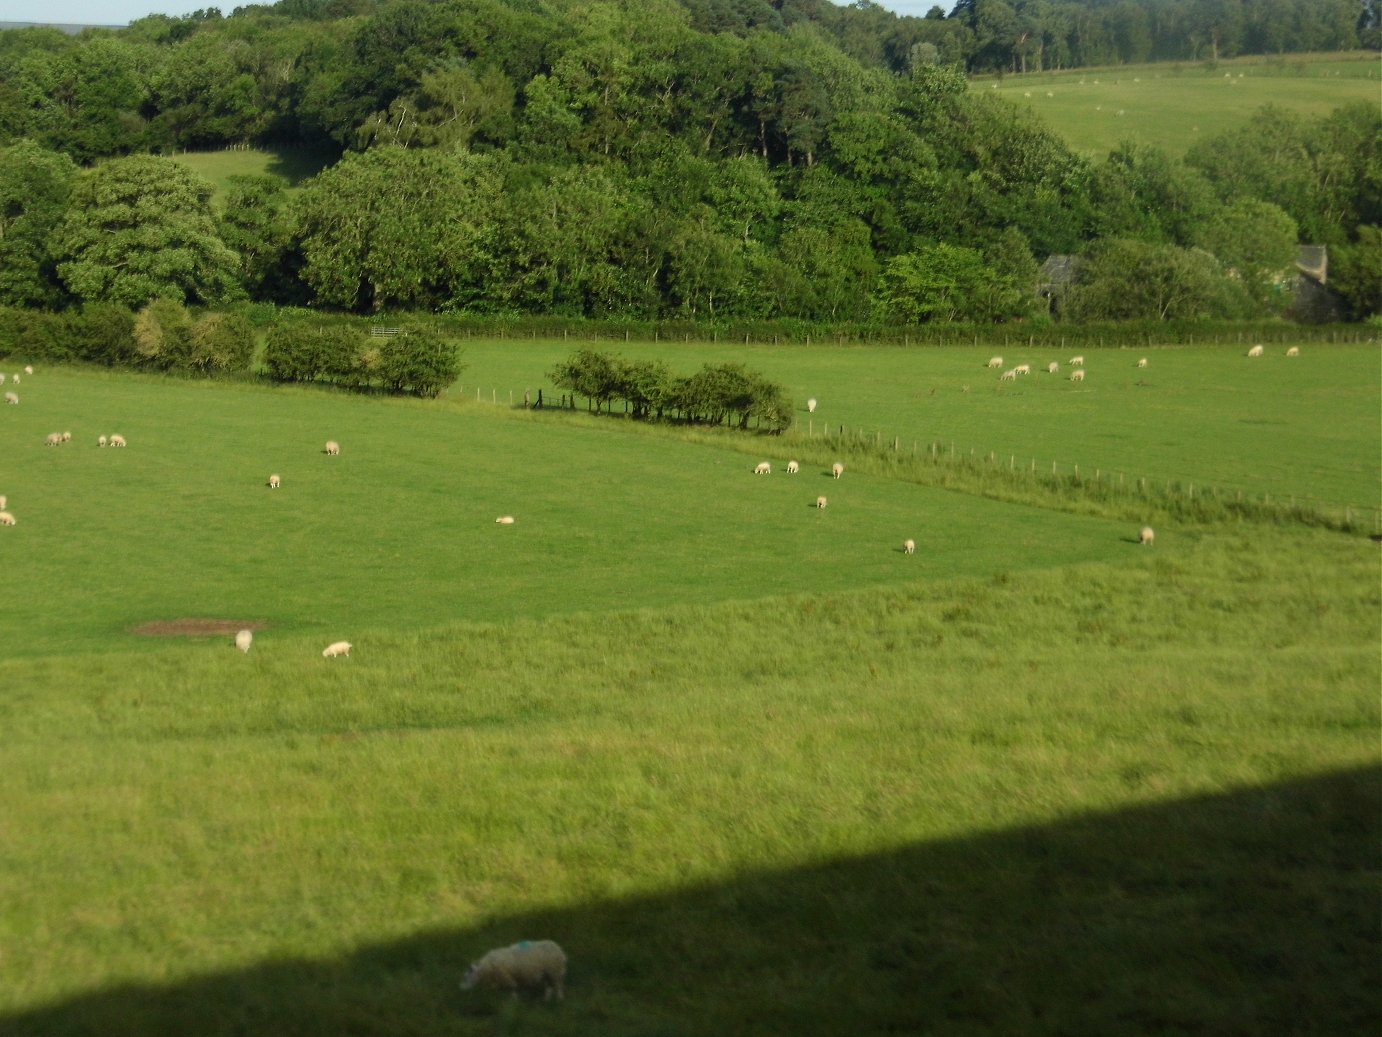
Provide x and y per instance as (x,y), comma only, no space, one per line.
(757,770)
(293,164)
(1173,106)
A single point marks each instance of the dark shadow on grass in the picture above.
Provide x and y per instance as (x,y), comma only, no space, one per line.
(1254,913)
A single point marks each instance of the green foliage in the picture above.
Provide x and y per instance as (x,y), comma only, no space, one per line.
(948,283)
(140,228)
(1356,274)
(35,186)
(414,360)
(1132,280)
(1258,241)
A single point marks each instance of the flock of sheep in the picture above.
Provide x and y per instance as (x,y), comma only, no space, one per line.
(1077,364)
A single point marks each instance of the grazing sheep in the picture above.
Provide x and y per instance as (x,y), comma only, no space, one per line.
(11,397)
(1023,368)
(1077,376)
(100,440)
(505,520)
(4,502)
(1009,375)
(995,361)
(53,439)
(793,467)
(6,519)
(117,440)
(1146,536)
(274,481)
(837,470)
(243,640)
(909,547)
(15,378)
(332,447)
(821,502)
(1077,361)
(337,648)
(763,468)
(811,405)
(1293,351)
(1256,350)
(526,965)
(67,437)
(1142,362)
(28,369)
(1052,367)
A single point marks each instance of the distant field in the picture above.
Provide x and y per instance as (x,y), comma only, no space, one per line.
(1174,105)
(1307,426)
(293,164)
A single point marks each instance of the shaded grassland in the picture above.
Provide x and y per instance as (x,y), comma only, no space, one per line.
(1173,106)
(757,770)
(292,164)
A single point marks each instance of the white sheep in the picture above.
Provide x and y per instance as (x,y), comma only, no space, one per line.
(1077,376)
(995,361)
(909,547)
(6,519)
(505,520)
(821,502)
(67,437)
(243,640)
(4,502)
(1146,536)
(763,468)
(1023,368)
(837,470)
(15,378)
(1052,367)
(100,440)
(793,467)
(337,648)
(2,378)
(811,405)
(1256,350)
(28,369)
(1077,361)
(274,480)
(1293,351)
(117,440)
(11,397)
(53,439)
(526,965)
(332,447)
(1142,362)
(1008,376)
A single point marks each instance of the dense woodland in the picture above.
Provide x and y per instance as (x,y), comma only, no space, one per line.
(650,159)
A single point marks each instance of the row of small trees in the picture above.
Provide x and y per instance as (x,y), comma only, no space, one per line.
(715,395)
(408,361)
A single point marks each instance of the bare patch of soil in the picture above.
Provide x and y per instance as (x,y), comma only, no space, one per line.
(192,627)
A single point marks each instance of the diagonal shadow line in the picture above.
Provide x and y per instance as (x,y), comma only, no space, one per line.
(1255,912)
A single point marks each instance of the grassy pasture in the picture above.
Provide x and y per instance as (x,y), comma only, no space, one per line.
(755,769)
(1173,106)
(1306,426)
(293,164)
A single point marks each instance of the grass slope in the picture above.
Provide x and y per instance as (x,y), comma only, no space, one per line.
(292,164)
(1174,106)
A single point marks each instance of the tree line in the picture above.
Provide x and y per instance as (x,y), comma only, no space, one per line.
(642,160)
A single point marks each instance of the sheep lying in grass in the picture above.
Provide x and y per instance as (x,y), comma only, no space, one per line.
(332,447)
(275,481)
(837,470)
(1077,361)
(1142,362)
(11,397)
(1293,351)
(1077,376)
(337,648)
(995,361)
(243,640)
(526,965)
(117,440)
(505,520)
(1256,351)
(909,547)
(821,502)
(1146,536)
(763,468)
(6,519)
